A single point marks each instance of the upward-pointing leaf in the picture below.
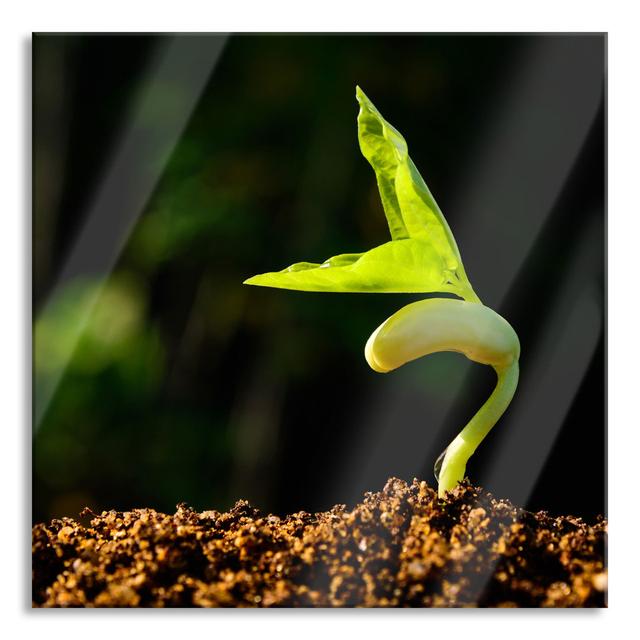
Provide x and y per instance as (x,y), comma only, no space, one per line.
(408,204)
(421,258)
(382,146)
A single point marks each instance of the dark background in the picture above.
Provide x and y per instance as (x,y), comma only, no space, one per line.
(180,383)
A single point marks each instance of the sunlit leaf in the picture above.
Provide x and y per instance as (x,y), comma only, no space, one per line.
(421,258)
(382,146)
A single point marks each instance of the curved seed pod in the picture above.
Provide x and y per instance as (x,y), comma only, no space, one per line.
(443,324)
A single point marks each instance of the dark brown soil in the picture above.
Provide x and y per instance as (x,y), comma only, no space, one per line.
(399,547)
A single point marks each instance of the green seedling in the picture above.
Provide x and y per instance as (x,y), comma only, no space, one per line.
(422,257)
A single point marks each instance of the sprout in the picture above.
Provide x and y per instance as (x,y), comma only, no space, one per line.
(441,324)
(422,257)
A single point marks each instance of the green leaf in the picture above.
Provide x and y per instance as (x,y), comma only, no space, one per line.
(409,206)
(421,258)
(382,146)
(400,266)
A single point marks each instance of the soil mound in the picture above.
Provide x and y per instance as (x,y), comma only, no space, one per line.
(401,546)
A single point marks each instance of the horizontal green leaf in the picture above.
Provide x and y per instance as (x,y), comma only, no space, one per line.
(399,266)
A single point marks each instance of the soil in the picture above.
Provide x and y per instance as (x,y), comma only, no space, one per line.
(399,547)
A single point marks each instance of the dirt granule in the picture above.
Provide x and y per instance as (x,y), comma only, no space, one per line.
(399,547)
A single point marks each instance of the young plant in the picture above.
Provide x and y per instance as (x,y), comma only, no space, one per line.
(422,257)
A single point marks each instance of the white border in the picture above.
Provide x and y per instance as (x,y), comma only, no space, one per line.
(20,19)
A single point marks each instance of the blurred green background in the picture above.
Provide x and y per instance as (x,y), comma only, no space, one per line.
(182,383)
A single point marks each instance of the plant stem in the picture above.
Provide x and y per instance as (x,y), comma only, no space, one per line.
(466,442)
